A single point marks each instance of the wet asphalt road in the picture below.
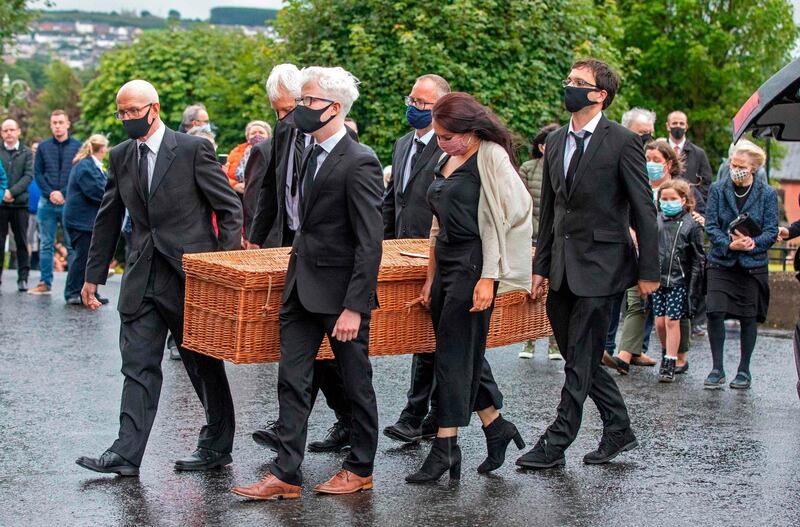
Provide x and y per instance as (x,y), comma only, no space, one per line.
(706,458)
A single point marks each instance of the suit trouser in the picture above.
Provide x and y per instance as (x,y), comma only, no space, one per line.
(76,272)
(422,392)
(301,335)
(142,338)
(17,218)
(580,325)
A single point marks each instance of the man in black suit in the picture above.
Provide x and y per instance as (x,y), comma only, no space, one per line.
(170,183)
(277,219)
(696,168)
(594,183)
(406,214)
(330,287)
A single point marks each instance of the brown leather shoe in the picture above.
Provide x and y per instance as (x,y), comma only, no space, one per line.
(269,488)
(608,360)
(643,360)
(345,482)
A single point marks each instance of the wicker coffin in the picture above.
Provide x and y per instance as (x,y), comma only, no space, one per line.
(233,299)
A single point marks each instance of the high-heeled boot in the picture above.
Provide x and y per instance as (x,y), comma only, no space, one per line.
(445,455)
(498,435)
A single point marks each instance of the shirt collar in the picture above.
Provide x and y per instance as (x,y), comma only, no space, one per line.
(330,143)
(98,163)
(590,126)
(425,138)
(15,147)
(154,141)
(673,144)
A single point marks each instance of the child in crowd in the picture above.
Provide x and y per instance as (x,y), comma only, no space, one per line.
(681,256)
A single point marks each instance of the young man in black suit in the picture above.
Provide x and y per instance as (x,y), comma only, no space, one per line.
(276,222)
(406,214)
(696,168)
(594,182)
(330,287)
(170,183)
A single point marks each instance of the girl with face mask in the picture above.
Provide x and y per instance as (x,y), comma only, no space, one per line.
(681,256)
(477,198)
(738,265)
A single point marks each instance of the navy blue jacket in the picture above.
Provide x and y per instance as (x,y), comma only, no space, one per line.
(53,164)
(721,210)
(87,183)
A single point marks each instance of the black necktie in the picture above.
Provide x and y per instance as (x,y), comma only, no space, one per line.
(311,170)
(417,147)
(299,146)
(576,158)
(143,170)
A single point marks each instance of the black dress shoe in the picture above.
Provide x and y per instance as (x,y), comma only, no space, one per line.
(543,455)
(103,300)
(680,370)
(109,463)
(623,368)
(74,301)
(402,431)
(203,459)
(268,437)
(22,286)
(611,445)
(338,439)
(429,426)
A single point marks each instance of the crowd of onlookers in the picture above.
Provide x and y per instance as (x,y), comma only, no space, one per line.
(52,190)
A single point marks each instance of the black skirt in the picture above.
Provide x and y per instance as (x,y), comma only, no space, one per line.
(738,292)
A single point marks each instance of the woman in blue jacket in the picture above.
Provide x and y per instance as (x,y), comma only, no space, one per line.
(87,182)
(738,265)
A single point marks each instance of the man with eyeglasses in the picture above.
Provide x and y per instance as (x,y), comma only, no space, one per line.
(171,185)
(594,184)
(406,214)
(276,221)
(17,161)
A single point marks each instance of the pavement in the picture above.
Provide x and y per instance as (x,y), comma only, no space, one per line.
(706,458)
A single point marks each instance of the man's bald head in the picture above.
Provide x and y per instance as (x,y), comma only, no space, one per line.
(10,132)
(136,100)
(138,89)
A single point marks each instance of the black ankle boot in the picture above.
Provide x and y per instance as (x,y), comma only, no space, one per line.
(498,435)
(444,455)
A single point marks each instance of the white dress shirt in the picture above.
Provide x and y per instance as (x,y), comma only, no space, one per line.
(153,144)
(407,168)
(673,144)
(327,146)
(12,148)
(570,148)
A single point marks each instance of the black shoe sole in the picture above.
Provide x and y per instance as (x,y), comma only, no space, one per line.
(391,434)
(714,386)
(630,446)
(560,462)
(263,442)
(122,470)
(332,450)
(200,467)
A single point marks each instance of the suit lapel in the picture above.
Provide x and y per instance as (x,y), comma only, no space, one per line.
(165,156)
(131,164)
(728,190)
(595,142)
(557,166)
(404,145)
(324,171)
(423,158)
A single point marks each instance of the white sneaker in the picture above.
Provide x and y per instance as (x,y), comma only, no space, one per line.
(554,354)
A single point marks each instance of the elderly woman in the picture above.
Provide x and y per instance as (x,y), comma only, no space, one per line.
(737,261)
(254,133)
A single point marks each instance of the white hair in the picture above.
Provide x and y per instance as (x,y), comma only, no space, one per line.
(735,146)
(336,83)
(638,114)
(284,77)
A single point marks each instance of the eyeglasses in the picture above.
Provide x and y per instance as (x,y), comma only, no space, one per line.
(133,113)
(308,100)
(419,104)
(580,83)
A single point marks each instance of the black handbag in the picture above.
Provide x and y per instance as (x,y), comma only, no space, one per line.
(744,224)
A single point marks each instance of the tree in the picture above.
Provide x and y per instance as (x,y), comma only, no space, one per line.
(15,15)
(223,69)
(510,55)
(62,91)
(174,14)
(705,58)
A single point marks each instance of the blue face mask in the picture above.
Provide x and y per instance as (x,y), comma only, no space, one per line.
(671,207)
(655,171)
(418,119)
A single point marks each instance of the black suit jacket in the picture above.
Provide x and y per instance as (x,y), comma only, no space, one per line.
(697,170)
(406,214)
(187,186)
(254,172)
(337,249)
(583,236)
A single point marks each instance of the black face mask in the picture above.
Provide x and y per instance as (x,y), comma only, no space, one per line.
(646,138)
(576,99)
(284,118)
(137,128)
(307,120)
(677,132)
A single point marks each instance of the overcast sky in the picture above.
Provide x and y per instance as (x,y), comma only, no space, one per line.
(187,8)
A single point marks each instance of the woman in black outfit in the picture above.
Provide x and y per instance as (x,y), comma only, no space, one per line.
(738,265)
(463,279)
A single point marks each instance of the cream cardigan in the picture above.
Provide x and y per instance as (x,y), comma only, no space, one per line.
(504,220)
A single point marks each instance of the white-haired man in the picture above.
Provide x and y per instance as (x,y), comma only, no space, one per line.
(640,121)
(277,218)
(171,185)
(330,287)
